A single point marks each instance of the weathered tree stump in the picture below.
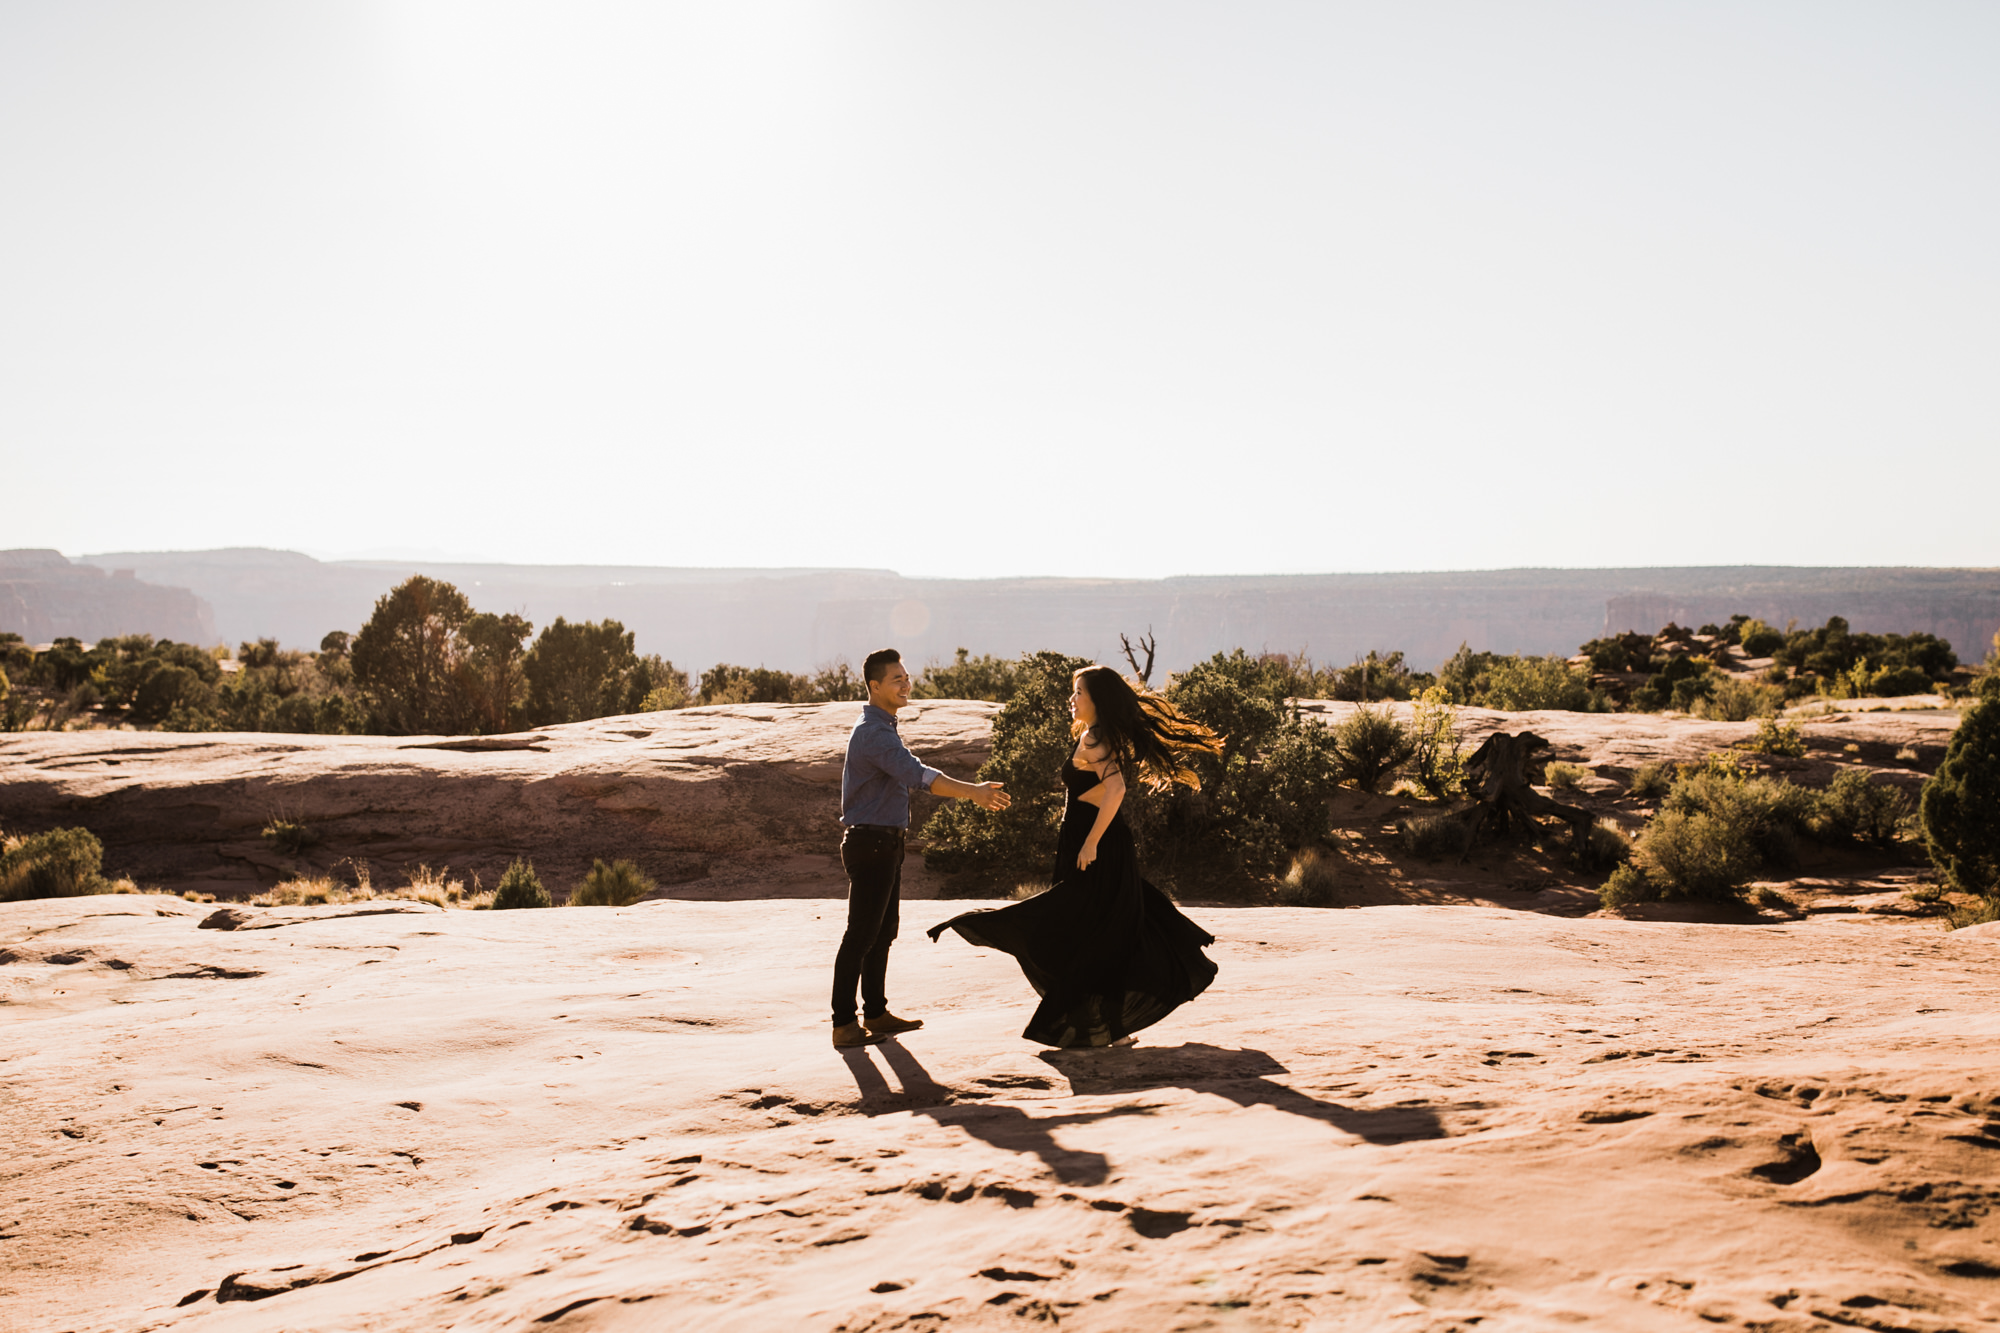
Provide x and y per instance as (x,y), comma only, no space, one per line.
(1500,767)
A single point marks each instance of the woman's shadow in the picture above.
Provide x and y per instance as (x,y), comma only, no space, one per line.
(1241,1076)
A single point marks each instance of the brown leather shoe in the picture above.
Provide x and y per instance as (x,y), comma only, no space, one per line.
(853,1034)
(888,1025)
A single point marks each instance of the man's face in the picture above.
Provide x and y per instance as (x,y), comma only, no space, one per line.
(893,690)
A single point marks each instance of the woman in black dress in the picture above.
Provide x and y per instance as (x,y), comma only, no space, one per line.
(1108,953)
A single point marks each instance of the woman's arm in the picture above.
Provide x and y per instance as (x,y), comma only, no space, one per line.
(1113,788)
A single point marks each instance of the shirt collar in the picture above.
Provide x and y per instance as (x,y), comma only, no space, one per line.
(870,713)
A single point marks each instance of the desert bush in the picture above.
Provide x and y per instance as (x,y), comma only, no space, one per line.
(1626,886)
(1524,684)
(1564,776)
(1625,652)
(1370,746)
(1434,837)
(1776,738)
(968,677)
(1715,830)
(520,887)
(1371,677)
(1760,640)
(1264,794)
(616,884)
(1031,739)
(1736,700)
(1960,806)
(288,836)
(1603,846)
(62,863)
(1651,780)
(1854,809)
(1437,758)
(1312,881)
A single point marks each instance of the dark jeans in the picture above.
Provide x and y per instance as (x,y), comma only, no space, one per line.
(873,859)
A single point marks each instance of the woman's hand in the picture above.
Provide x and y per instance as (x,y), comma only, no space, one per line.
(1087,855)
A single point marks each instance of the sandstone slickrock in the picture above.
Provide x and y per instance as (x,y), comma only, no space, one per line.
(731,801)
(721,802)
(1403,1117)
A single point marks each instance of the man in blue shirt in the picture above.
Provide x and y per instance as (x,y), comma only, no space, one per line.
(875,785)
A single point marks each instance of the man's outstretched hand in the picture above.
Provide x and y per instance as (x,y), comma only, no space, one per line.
(990,796)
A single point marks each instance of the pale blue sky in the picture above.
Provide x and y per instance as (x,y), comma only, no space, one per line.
(989,289)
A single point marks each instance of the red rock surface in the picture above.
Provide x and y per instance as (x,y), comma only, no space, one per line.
(1421,1118)
(728,801)
(723,802)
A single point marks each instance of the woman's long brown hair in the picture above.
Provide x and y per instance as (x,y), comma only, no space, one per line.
(1147,736)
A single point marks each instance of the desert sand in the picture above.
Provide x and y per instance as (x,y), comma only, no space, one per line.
(1401,1117)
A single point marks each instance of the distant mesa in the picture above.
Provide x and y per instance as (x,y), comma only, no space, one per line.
(45,596)
(798,619)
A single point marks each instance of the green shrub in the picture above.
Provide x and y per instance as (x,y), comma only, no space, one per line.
(1760,640)
(1716,829)
(1650,781)
(1603,846)
(1777,738)
(968,677)
(1854,809)
(1564,776)
(1960,807)
(1736,700)
(1523,684)
(1437,758)
(62,863)
(521,887)
(1031,739)
(1434,837)
(1370,746)
(618,884)
(1312,881)
(1627,885)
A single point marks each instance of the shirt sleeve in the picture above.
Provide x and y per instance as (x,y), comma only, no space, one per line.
(888,753)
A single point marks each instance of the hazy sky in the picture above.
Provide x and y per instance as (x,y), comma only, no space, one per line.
(983,289)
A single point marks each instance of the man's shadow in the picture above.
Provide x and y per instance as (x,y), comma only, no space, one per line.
(1007,1127)
(1239,1075)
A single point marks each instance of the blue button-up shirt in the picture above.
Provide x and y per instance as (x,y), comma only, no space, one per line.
(880,773)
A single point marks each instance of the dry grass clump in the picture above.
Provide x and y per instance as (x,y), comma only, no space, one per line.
(288,836)
(1605,845)
(1735,700)
(1026,889)
(613,884)
(1312,881)
(1434,837)
(1976,913)
(1651,781)
(424,885)
(1564,776)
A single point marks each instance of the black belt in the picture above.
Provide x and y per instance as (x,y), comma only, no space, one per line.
(877,828)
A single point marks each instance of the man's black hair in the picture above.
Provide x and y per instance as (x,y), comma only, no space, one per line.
(876,665)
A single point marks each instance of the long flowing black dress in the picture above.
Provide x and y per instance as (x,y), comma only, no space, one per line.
(1108,953)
